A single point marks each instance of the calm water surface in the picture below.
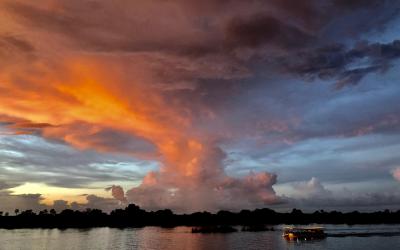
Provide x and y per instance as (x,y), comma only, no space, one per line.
(181,238)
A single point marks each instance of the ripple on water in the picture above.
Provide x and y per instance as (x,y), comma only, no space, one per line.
(181,238)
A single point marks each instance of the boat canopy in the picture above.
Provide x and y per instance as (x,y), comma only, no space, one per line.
(303,229)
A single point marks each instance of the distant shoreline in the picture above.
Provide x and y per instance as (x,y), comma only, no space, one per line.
(134,217)
(367,234)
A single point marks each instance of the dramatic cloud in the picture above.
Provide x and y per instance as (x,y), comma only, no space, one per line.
(195,171)
(260,30)
(347,66)
(177,88)
(220,192)
(77,117)
(8,42)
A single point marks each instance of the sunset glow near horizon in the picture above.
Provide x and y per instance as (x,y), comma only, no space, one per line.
(199,105)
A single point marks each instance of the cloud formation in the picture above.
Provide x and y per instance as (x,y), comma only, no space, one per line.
(211,194)
(396,174)
(118,193)
(311,189)
(29,158)
(179,89)
(346,66)
(313,195)
(34,202)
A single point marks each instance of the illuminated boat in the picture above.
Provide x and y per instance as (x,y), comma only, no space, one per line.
(303,233)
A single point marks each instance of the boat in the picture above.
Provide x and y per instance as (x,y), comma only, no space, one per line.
(304,233)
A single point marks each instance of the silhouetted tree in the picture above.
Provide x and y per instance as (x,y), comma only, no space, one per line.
(44,212)
(53,211)
(134,216)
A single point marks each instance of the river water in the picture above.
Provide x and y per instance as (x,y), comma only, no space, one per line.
(182,238)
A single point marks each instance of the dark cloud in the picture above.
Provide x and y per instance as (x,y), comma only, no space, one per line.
(346,66)
(199,31)
(260,29)
(86,24)
(6,185)
(10,202)
(88,136)
(15,49)
(9,42)
(227,43)
(45,18)
(21,126)
(356,3)
(173,80)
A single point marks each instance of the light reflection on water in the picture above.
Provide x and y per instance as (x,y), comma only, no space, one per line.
(181,238)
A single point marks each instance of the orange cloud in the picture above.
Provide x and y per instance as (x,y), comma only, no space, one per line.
(84,96)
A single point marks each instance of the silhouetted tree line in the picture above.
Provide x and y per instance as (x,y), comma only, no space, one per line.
(134,216)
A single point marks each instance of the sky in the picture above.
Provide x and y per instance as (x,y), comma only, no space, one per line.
(200,105)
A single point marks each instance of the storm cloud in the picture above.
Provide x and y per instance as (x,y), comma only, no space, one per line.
(219,103)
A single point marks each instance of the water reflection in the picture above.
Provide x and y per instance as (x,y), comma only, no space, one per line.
(176,238)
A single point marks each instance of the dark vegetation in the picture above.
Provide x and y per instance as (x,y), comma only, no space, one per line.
(134,216)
